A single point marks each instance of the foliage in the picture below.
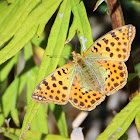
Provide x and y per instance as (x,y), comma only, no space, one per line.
(22,27)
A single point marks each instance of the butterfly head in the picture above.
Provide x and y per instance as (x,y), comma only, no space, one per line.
(76,56)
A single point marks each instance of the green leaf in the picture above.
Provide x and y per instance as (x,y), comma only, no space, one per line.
(28,28)
(12,92)
(41,29)
(121,121)
(137,121)
(14,115)
(83,27)
(39,123)
(3,5)
(30,113)
(7,104)
(2,117)
(30,70)
(13,16)
(72,30)
(11,1)
(31,135)
(124,136)
(131,76)
(55,46)
(38,42)
(137,67)
(44,19)
(22,82)
(65,55)
(6,68)
(56,40)
(60,118)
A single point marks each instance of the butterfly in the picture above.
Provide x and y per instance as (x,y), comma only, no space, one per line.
(86,81)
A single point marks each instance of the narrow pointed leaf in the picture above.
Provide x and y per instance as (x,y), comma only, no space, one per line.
(13,16)
(83,27)
(137,122)
(28,29)
(60,118)
(122,120)
(15,118)
(31,135)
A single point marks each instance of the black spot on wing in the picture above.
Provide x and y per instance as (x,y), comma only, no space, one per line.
(53,78)
(64,71)
(98,44)
(95,49)
(105,40)
(38,87)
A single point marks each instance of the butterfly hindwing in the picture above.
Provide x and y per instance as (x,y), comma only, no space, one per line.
(117,77)
(84,99)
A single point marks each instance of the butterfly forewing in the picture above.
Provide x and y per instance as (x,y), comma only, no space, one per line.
(56,87)
(114,46)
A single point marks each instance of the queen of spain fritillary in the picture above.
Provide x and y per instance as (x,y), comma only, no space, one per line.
(100,71)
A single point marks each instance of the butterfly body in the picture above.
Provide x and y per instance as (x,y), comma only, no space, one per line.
(100,71)
(91,71)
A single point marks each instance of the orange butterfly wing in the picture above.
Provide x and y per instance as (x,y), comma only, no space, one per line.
(55,87)
(83,98)
(117,77)
(114,46)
